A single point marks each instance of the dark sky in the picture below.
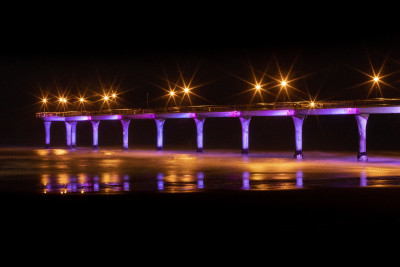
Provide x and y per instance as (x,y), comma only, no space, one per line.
(132,49)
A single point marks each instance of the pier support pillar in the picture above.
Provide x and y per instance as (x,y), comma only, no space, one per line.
(199,125)
(362,134)
(245,121)
(95,125)
(47,125)
(73,133)
(125,133)
(68,133)
(298,128)
(160,126)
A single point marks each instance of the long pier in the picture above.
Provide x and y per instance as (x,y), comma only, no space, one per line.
(360,109)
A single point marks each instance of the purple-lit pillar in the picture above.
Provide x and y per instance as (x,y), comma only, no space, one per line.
(160,125)
(47,125)
(199,125)
(68,133)
(245,134)
(362,134)
(298,128)
(73,134)
(125,133)
(95,125)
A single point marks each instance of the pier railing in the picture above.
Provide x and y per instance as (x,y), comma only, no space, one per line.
(377,102)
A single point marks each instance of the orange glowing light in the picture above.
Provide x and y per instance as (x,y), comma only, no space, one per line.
(172,93)
(283,83)
(44,100)
(186,90)
(105,98)
(82,99)
(258,87)
(114,95)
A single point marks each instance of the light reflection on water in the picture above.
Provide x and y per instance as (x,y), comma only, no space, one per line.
(114,171)
(175,183)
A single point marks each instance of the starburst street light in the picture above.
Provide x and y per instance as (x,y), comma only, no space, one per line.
(283,83)
(172,93)
(106,98)
(186,90)
(375,77)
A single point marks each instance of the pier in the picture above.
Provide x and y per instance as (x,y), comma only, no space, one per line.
(360,109)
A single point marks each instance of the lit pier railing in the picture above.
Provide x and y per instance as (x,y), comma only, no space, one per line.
(361,109)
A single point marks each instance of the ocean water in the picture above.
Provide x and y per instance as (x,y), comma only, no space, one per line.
(113,171)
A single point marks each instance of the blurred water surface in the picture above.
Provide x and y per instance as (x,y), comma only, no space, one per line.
(113,171)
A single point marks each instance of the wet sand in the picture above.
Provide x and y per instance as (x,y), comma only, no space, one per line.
(271,202)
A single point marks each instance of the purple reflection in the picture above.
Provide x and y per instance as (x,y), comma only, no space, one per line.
(246,180)
(160,181)
(96,186)
(299,179)
(200,180)
(363,179)
(126,182)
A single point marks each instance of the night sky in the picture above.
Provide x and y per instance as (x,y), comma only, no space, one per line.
(135,49)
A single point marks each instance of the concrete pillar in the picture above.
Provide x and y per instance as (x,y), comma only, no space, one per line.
(47,125)
(362,134)
(73,134)
(160,126)
(95,125)
(125,133)
(298,128)
(199,125)
(245,134)
(68,133)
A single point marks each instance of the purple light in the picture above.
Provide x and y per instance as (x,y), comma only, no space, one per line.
(299,179)
(106,117)
(54,119)
(200,182)
(126,182)
(140,116)
(78,118)
(363,179)
(246,181)
(290,112)
(352,111)
(160,182)
(235,114)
